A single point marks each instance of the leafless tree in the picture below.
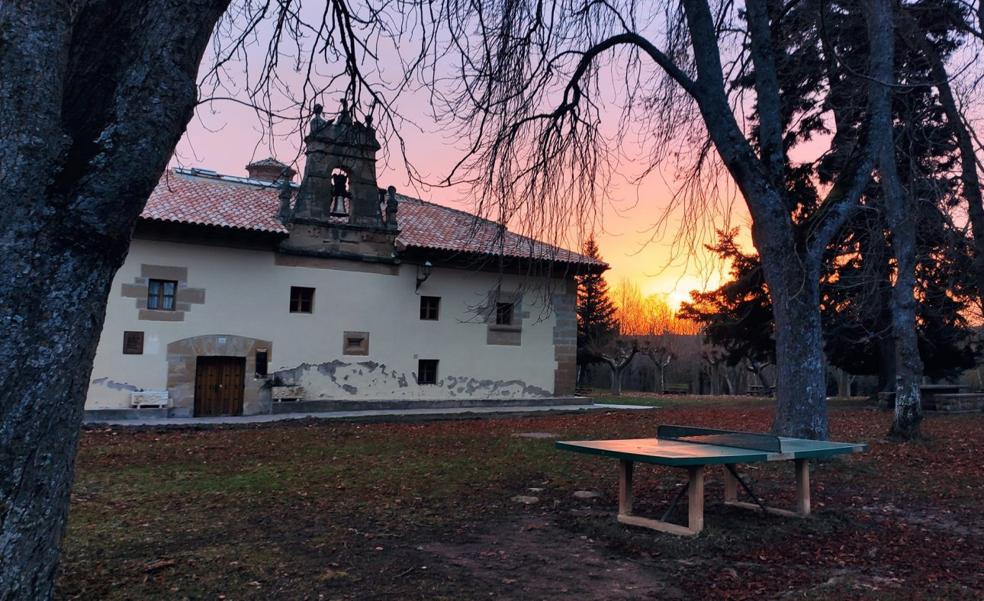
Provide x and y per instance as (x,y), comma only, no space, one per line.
(758,369)
(717,371)
(660,352)
(534,87)
(617,355)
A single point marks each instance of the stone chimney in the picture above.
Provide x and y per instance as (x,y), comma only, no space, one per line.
(270,170)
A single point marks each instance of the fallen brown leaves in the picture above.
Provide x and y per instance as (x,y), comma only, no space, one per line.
(357,511)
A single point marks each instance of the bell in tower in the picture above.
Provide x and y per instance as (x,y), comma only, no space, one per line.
(337,211)
(339,194)
(340,173)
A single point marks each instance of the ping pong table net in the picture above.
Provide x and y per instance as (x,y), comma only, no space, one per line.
(727,438)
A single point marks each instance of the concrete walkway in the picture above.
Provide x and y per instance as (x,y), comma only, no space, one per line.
(378,415)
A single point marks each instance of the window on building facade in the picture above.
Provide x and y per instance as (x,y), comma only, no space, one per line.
(262,362)
(504,314)
(160,294)
(301,299)
(133,343)
(355,343)
(427,371)
(430,307)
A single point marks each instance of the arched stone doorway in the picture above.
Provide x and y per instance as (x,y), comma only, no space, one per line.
(182,362)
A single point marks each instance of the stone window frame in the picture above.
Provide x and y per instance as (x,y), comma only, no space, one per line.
(355,343)
(185,296)
(157,300)
(500,334)
(261,362)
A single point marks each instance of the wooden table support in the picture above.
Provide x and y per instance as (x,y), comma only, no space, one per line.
(802,467)
(803,487)
(695,502)
(624,487)
(695,499)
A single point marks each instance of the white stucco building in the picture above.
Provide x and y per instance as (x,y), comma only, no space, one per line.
(245,295)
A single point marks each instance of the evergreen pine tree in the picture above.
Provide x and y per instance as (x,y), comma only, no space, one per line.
(596,321)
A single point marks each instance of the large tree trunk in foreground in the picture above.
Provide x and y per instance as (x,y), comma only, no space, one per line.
(900,216)
(801,379)
(93,98)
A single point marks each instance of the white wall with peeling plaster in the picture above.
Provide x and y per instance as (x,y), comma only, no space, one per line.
(247,294)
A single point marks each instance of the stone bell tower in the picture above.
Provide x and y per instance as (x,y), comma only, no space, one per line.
(339,210)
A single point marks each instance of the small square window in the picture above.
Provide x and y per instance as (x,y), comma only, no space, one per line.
(301,299)
(427,371)
(160,294)
(262,362)
(355,343)
(504,314)
(133,343)
(430,307)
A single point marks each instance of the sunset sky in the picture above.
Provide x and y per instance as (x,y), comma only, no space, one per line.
(227,136)
(224,136)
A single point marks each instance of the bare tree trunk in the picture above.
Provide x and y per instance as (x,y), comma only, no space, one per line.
(759,370)
(617,382)
(885,340)
(615,386)
(801,382)
(618,371)
(843,383)
(901,216)
(729,385)
(93,99)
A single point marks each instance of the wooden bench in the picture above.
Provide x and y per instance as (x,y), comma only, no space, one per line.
(956,403)
(759,390)
(938,397)
(676,389)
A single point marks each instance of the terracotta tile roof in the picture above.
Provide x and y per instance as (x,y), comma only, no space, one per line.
(207,198)
(428,225)
(215,201)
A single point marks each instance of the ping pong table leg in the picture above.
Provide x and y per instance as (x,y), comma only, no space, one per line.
(695,498)
(730,487)
(624,487)
(802,487)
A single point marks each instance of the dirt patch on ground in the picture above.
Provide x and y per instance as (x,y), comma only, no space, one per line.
(535,559)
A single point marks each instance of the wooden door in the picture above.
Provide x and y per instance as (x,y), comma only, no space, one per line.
(219,383)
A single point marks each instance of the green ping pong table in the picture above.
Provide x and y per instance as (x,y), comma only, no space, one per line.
(696,448)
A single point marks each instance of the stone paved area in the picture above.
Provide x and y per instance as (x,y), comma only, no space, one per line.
(396,414)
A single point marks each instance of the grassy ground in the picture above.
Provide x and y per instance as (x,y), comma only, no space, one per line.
(319,510)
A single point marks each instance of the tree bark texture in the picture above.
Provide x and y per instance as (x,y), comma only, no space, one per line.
(94,95)
(900,217)
(801,377)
